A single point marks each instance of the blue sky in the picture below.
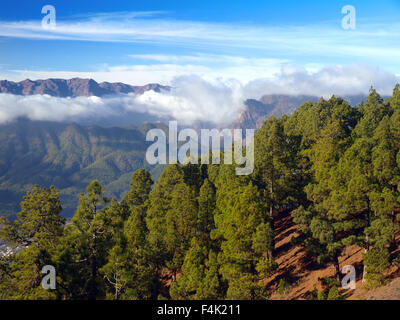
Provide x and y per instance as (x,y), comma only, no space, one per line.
(157,41)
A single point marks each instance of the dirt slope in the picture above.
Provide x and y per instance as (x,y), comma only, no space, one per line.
(303,273)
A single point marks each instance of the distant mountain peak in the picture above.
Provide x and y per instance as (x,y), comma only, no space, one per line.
(256,112)
(75,87)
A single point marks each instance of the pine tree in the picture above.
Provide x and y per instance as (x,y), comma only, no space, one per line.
(334,294)
(199,269)
(373,111)
(141,261)
(274,164)
(140,188)
(38,227)
(181,225)
(38,223)
(385,198)
(376,261)
(159,204)
(193,176)
(394,100)
(328,223)
(213,287)
(207,204)
(193,272)
(263,244)
(236,226)
(200,279)
(83,251)
(349,205)
(116,271)
(129,269)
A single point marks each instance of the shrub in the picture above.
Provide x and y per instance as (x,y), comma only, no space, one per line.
(376,261)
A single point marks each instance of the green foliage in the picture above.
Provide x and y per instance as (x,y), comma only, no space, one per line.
(39,221)
(266,267)
(237,226)
(38,226)
(275,166)
(334,294)
(373,111)
(89,233)
(314,294)
(283,287)
(207,203)
(321,295)
(193,270)
(68,156)
(200,279)
(376,262)
(181,223)
(159,204)
(140,188)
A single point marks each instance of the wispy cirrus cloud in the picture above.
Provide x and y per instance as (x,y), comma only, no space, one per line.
(149,68)
(245,52)
(201,58)
(376,41)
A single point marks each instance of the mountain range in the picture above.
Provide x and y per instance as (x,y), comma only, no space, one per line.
(75,87)
(253,114)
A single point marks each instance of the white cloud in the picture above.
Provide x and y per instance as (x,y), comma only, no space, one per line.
(340,80)
(44,107)
(196,98)
(193,98)
(190,99)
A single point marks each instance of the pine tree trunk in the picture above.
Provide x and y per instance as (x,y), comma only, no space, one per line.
(174,275)
(364,272)
(93,291)
(271,206)
(253,273)
(116,288)
(271,215)
(393,245)
(365,251)
(366,239)
(337,268)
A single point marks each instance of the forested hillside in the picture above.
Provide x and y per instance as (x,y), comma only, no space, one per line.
(67,156)
(201,232)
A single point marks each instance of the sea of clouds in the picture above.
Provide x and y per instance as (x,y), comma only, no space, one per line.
(196,98)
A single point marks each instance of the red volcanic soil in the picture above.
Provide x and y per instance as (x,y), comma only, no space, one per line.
(303,273)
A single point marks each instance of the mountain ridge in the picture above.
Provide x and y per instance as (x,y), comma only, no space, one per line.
(75,87)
